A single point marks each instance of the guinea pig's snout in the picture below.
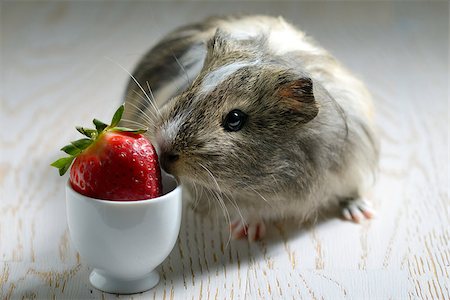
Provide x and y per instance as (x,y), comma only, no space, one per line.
(168,159)
(168,151)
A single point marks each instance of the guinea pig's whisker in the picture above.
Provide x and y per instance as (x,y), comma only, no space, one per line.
(134,79)
(140,96)
(133,122)
(196,198)
(153,115)
(147,117)
(144,121)
(256,192)
(220,200)
(200,197)
(233,202)
(224,210)
(228,218)
(182,68)
(142,118)
(220,204)
(209,201)
(154,100)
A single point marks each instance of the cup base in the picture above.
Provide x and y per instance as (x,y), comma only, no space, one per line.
(114,285)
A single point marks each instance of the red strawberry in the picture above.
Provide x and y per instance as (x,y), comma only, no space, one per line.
(112,163)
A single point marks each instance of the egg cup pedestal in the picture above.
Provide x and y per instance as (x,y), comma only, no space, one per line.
(124,241)
(104,282)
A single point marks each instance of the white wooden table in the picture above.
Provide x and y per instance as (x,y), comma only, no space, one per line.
(54,75)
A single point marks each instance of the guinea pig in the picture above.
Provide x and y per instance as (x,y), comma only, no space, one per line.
(251,113)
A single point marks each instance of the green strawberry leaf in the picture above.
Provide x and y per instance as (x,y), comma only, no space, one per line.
(71,150)
(90,133)
(117,116)
(82,143)
(124,129)
(59,163)
(66,167)
(99,125)
(63,164)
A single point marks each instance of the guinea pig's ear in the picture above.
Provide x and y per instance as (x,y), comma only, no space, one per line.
(298,97)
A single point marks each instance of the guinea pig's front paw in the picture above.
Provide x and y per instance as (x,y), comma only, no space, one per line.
(357,209)
(253,230)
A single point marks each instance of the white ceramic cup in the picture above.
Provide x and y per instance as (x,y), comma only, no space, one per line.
(124,241)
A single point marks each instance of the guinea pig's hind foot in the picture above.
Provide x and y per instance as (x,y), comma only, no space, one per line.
(253,230)
(356,209)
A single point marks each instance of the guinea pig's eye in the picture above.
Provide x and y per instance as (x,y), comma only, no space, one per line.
(235,120)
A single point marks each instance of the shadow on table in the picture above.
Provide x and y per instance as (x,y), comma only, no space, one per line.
(203,246)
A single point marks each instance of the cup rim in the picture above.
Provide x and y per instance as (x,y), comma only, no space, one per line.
(161,198)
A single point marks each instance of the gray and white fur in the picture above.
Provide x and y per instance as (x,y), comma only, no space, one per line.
(308,142)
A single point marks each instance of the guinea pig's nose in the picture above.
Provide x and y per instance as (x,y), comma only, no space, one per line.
(167,159)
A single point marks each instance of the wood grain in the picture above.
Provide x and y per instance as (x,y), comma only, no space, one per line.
(54,75)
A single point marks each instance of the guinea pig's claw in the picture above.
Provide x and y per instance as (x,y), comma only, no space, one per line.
(357,210)
(253,230)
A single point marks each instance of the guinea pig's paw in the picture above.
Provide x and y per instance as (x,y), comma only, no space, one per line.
(254,230)
(357,210)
